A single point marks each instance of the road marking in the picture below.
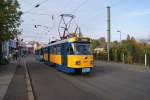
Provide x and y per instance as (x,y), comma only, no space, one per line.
(28,82)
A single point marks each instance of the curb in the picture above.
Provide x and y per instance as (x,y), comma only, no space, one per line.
(29,86)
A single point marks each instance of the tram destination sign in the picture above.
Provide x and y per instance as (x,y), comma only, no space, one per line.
(83,40)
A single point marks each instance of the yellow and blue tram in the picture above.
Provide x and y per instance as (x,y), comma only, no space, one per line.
(69,55)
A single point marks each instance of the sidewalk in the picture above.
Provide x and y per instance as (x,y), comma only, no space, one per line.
(17,90)
(6,75)
(13,82)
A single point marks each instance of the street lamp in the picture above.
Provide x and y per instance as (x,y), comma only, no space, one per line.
(36,26)
(36,6)
(120,34)
(41,26)
(122,47)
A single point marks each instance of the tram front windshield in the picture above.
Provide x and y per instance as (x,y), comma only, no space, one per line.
(82,49)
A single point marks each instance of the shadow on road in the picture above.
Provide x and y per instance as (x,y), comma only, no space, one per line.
(100,70)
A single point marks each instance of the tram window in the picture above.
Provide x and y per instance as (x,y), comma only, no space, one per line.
(46,50)
(70,50)
(54,50)
(58,50)
(82,49)
(41,51)
(51,50)
(38,51)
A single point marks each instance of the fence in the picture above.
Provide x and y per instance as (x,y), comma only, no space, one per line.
(124,57)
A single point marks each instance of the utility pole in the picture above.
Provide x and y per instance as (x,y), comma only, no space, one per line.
(145,60)
(108,32)
(145,55)
(80,34)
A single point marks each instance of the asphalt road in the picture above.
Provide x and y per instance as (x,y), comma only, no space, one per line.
(108,81)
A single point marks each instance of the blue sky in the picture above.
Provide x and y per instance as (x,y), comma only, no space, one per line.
(128,16)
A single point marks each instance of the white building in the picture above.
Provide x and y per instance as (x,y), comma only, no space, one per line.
(8,47)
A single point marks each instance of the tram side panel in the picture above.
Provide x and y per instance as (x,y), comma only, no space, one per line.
(55,55)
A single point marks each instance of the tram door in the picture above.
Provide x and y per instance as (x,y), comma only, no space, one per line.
(64,54)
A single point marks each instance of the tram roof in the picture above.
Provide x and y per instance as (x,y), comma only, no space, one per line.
(74,39)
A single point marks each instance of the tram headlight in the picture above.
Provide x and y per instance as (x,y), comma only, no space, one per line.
(77,62)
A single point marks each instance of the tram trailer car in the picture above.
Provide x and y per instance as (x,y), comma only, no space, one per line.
(39,54)
(73,55)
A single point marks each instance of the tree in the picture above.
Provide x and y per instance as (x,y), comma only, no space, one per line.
(102,40)
(9,20)
(128,37)
(95,43)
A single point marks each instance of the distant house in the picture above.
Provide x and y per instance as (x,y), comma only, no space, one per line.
(32,46)
(100,48)
(39,45)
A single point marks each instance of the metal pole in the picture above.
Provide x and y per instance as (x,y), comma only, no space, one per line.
(120,47)
(108,32)
(80,34)
(145,54)
(123,58)
(145,59)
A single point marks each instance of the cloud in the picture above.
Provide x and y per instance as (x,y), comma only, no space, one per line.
(139,13)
